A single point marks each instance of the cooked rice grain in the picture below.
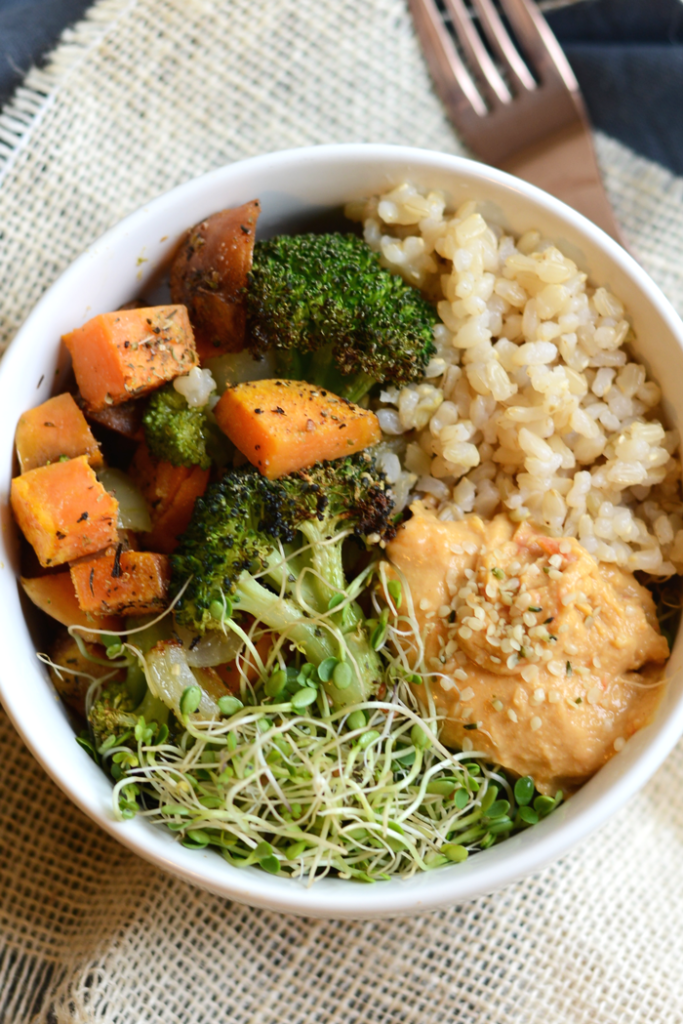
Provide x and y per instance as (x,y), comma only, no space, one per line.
(533,402)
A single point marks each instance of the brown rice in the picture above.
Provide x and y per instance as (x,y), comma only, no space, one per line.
(533,402)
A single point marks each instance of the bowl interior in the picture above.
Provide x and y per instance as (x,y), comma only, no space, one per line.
(300,189)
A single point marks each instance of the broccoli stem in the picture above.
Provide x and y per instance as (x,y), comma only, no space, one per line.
(283,573)
(329,581)
(281,614)
(355,387)
(315,641)
(322,370)
(292,365)
(136,683)
(326,560)
(150,707)
(153,709)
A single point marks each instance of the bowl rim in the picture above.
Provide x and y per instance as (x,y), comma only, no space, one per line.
(335,898)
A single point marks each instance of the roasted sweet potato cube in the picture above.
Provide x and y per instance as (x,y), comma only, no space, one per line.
(55,595)
(122,355)
(285,425)
(209,276)
(64,511)
(122,582)
(52,431)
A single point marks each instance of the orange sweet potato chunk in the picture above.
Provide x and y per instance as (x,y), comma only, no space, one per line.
(55,429)
(170,492)
(122,582)
(64,511)
(285,425)
(122,355)
(209,276)
(55,595)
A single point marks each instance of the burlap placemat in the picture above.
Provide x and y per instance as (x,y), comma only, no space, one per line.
(146,94)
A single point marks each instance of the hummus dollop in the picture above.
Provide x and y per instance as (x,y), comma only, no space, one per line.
(537,656)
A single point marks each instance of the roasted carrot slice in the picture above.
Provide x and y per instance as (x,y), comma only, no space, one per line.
(122,582)
(64,511)
(52,431)
(209,275)
(170,492)
(55,595)
(175,518)
(122,355)
(230,675)
(157,481)
(285,425)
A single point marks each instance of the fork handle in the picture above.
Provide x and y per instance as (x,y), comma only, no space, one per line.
(564,164)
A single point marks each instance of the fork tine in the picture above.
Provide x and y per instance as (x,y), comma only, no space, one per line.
(475,50)
(536,37)
(451,77)
(499,39)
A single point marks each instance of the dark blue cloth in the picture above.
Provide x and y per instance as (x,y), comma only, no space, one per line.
(627,56)
(28,30)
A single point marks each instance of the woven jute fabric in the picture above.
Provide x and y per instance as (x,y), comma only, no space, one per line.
(140,97)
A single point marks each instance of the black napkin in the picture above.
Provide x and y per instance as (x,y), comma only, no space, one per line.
(28,30)
(628,58)
(627,55)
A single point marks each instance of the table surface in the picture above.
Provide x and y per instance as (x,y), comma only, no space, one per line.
(591,940)
(626,54)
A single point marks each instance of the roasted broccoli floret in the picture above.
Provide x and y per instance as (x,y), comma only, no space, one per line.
(112,714)
(273,549)
(121,703)
(116,711)
(336,317)
(174,431)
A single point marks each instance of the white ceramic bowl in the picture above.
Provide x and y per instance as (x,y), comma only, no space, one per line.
(296,188)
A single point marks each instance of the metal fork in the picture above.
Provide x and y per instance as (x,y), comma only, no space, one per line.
(534,126)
